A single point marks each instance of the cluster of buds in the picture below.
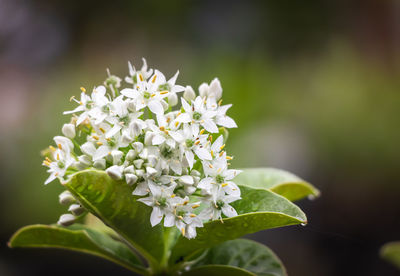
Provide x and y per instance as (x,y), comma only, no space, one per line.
(172,154)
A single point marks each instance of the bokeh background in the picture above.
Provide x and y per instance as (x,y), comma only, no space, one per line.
(315,87)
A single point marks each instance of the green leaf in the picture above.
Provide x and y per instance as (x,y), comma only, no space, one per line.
(391,253)
(112,201)
(77,238)
(281,182)
(246,254)
(257,210)
(218,270)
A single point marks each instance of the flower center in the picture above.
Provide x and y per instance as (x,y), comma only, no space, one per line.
(189,143)
(196,115)
(164,86)
(146,95)
(219,204)
(60,164)
(220,179)
(166,152)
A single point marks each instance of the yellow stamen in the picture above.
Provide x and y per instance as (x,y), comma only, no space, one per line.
(173,195)
(140,77)
(192,215)
(96,137)
(168,119)
(183,231)
(162,128)
(99,143)
(163,92)
(212,153)
(48,159)
(83,89)
(229,157)
(102,130)
(197,142)
(81,103)
(158,203)
(108,139)
(176,123)
(224,184)
(58,156)
(70,99)
(153,95)
(220,102)
(180,217)
(153,80)
(223,146)
(219,170)
(211,166)
(52,148)
(47,163)
(56,174)
(221,153)
(185,202)
(59,146)
(194,206)
(202,131)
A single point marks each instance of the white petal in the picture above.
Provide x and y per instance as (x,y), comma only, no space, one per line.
(186,106)
(190,158)
(226,121)
(216,146)
(101,152)
(210,126)
(156,107)
(176,136)
(156,216)
(169,220)
(177,88)
(141,189)
(129,92)
(186,179)
(113,131)
(228,211)
(88,148)
(184,118)
(158,140)
(203,154)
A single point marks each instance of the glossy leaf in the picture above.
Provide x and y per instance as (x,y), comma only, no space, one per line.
(112,201)
(217,270)
(258,210)
(281,182)
(246,254)
(391,253)
(77,238)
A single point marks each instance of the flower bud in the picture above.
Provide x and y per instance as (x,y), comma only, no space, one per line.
(140,173)
(203,90)
(68,130)
(129,169)
(215,89)
(137,146)
(186,179)
(66,220)
(66,198)
(151,171)
(115,172)
(152,160)
(138,163)
(189,94)
(88,148)
(130,178)
(131,155)
(99,164)
(172,99)
(148,137)
(76,209)
(116,156)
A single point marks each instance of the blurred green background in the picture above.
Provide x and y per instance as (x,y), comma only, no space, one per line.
(315,87)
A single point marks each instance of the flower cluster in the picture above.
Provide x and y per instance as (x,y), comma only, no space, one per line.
(175,158)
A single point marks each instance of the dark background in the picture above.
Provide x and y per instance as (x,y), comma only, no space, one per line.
(315,87)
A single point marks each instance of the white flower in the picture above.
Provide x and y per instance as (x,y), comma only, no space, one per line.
(166,154)
(68,130)
(160,199)
(132,78)
(198,113)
